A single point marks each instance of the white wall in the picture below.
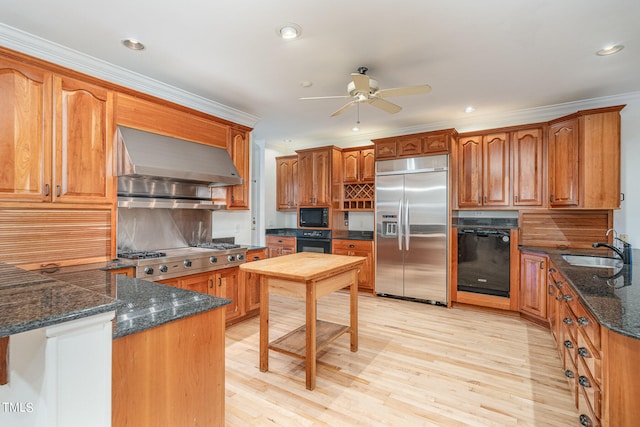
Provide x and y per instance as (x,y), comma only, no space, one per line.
(626,220)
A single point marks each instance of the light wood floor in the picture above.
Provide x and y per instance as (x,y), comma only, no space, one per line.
(417,365)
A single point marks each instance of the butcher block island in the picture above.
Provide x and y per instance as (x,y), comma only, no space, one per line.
(310,276)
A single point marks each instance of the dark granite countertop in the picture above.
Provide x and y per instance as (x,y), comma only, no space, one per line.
(612,295)
(30,301)
(281,232)
(143,304)
(352,235)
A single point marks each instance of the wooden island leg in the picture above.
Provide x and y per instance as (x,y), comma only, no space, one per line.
(264,324)
(310,359)
(354,310)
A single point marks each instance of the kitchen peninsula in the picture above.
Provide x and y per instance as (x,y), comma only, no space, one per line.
(146,360)
(307,275)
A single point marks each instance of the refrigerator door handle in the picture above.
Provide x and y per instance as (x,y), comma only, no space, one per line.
(399,225)
(406,225)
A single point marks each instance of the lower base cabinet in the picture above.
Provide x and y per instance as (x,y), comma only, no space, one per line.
(165,377)
(252,284)
(363,248)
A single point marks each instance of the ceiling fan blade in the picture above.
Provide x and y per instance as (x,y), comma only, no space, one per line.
(344,108)
(385,105)
(326,97)
(361,83)
(404,91)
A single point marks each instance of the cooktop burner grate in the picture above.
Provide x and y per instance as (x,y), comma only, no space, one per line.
(141,254)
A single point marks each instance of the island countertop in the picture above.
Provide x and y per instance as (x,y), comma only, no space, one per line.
(302,266)
(29,300)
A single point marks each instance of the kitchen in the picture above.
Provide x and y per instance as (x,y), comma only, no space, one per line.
(232,222)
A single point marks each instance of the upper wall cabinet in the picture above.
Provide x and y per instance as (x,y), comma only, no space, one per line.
(528,167)
(419,144)
(287,183)
(319,172)
(238,148)
(84,130)
(56,137)
(358,176)
(584,160)
(483,170)
(25,132)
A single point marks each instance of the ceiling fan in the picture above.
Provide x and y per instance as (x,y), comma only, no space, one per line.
(363,88)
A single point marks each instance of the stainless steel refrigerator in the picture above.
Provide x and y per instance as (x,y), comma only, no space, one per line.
(411,228)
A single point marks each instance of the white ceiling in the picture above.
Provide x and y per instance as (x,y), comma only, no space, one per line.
(497,55)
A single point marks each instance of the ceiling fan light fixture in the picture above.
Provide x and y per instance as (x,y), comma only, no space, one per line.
(355,128)
(289,31)
(610,50)
(133,44)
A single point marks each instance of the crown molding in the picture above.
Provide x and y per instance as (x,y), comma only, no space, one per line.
(38,47)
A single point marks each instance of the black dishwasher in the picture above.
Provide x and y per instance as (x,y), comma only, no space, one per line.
(483,261)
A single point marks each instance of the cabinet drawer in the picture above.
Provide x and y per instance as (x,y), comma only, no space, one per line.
(355,245)
(589,357)
(256,255)
(281,241)
(589,399)
(588,324)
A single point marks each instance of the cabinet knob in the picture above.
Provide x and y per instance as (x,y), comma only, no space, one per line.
(552,270)
(352,246)
(567,321)
(568,373)
(568,298)
(584,381)
(583,321)
(568,344)
(583,352)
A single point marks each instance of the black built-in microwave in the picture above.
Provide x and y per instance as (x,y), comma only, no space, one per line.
(314,217)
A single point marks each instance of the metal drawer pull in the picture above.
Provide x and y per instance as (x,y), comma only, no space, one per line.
(559,284)
(568,373)
(585,421)
(568,298)
(583,321)
(583,352)
(550,290)
(567,321)
(568,344)
(552,270)
(584,381)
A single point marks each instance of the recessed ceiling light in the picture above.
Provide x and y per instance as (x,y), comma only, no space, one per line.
(469,109)
(610,50)
(289,31)
(306,83)
(133,44)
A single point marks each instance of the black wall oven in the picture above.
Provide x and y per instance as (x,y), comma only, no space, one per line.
(313,241)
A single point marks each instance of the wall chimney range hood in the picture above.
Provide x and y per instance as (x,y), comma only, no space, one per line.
(158,171)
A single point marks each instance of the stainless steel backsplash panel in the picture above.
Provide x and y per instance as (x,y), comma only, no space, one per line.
(153,229)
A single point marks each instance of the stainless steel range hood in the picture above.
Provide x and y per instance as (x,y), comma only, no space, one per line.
(146,154)
(156,171)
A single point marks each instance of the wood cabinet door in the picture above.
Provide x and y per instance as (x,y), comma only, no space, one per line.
(435,144)
(386,150)
(533,285)
(25,133)
(367,165)
(563,164)
(286,183)
(306,188)
(495,170)
(238,195)
(252,282)
(528,167)
(469,171)
(84,130)
(322,175)
(361,248)
(350,166)
(409,146)
(202,283)
(227,285)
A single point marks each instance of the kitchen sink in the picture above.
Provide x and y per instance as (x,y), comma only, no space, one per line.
(592,261)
